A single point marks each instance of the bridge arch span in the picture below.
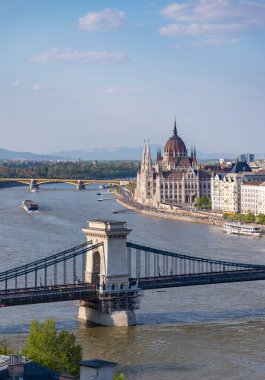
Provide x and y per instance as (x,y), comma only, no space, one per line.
(25,181)
(49,181)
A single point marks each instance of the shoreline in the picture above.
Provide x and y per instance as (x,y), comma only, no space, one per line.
(182,215)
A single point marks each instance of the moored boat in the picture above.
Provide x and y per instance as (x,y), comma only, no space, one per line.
(29,205)
(242,229)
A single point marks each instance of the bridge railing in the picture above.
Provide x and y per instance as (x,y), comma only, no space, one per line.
(146,262)
(64,267)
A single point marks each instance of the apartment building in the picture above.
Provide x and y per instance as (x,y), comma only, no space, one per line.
(253,197)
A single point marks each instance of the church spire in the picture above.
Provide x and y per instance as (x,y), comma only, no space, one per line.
(175,131)
(148,148)
(144,151)
(148,161)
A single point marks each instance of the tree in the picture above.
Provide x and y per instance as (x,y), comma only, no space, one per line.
(203,203)
(261,218)
(119,377)
(249,218)
(56,350)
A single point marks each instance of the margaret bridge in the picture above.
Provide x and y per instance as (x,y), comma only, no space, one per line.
(80,184)
(107,274)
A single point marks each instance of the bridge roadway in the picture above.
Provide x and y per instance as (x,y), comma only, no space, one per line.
(84,291)
(16,297)
(199,279)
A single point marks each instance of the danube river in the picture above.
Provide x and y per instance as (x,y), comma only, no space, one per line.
(204,332)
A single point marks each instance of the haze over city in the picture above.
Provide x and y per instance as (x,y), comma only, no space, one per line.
(83,74)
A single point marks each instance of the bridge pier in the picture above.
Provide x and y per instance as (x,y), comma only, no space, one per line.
(106,268)
(80,185)
(33,185)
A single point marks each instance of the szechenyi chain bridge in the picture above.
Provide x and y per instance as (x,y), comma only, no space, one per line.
(107,275)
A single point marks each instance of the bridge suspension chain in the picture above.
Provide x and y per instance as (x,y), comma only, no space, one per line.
(145,262)
(37,273)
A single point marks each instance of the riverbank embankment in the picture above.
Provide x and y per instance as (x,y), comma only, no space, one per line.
(182,215)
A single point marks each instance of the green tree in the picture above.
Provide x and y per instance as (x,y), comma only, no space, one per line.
(119,377)
(238,217)
(53,349)
(249,218)
(203,203)
(261,219)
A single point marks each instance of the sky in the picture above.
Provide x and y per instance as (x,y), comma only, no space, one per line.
(83,74)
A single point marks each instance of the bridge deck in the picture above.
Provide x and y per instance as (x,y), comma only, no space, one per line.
(16,297)
(198,279)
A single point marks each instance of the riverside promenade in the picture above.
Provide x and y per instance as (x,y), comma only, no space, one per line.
(125,198)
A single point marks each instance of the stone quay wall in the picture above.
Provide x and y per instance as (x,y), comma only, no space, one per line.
(125,199)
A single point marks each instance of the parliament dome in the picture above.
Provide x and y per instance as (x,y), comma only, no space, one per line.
(175,147)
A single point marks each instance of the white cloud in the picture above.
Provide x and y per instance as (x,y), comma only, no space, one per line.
(215,10)
(175,11)
(69,55)
(41,87)
(106,19)
(199,29)
(220,18)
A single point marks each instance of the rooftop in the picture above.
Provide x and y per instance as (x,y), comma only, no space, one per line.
(240,167)
(254,183)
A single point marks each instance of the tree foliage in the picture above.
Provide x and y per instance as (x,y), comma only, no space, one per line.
(247,218)
(68,169)
(203,203)
(53,349)
(119,377)
(261,218)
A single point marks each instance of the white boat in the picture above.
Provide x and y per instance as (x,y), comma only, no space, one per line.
(29,205)
(34,190)
(242,229)
(101,198)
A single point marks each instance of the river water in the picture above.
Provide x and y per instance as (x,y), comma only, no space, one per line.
(200,332)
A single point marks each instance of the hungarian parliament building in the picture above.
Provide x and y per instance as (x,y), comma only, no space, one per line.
(175,178)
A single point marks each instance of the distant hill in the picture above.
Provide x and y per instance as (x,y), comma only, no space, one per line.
(124,153)
(12,155)
(121,153)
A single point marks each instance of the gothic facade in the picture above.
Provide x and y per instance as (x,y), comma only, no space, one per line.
(175,178)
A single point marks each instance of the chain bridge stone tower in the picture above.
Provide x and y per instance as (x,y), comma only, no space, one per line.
(107,270)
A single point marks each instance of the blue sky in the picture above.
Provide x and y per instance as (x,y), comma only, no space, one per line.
(82,74)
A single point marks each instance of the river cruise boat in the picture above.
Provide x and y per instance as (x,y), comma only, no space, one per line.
(29,205)
(242,229)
